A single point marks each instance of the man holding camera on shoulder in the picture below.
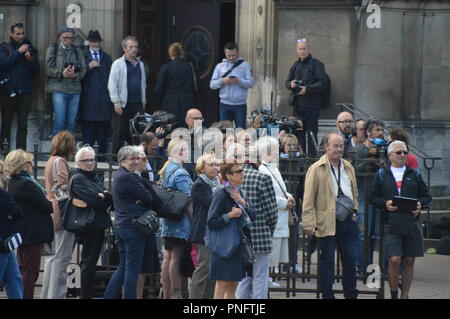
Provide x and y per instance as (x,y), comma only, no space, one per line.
(18,64)
(306,80)
(65,70)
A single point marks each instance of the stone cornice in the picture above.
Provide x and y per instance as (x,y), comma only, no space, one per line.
(20,2)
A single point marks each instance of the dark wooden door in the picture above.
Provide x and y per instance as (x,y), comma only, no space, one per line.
(145,21)
(197,26)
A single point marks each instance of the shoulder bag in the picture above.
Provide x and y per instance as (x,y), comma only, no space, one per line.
(174,202)
(147,224)
(76,218)
(344,204)
(60,194)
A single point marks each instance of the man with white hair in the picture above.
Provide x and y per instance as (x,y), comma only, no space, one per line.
(402,231)
(326,181)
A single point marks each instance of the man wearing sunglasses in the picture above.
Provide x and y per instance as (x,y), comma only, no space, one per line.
(18,64)
(307,80)
(403,243)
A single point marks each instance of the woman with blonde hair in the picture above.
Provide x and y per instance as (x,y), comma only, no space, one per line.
(202,192)
(177,84)
(36,226)
(54,284)
(176,234)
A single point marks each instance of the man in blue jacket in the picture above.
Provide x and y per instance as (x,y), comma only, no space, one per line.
(18,64)
(233,77)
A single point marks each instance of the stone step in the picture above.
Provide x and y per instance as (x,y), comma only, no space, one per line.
(441,203)
(435,215)
(439,190)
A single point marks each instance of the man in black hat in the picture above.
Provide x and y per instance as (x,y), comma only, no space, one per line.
(96,108)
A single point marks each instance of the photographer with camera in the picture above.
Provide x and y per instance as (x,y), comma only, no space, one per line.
(18,64)
(373,148)
(66,68)
(306,81)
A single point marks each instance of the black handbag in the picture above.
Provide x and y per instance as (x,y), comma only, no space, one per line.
(147,224)
(248,253)
(74,218)
(174,202)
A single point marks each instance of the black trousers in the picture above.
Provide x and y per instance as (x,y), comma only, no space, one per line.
(310,118)
(21,105)
(92,242)
(96,131)
(122,125)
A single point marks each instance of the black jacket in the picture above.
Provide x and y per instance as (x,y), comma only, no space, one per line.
(202,197)
(8,207)
(175,87)
(17,68)
(384,188)
(86,186)
(36,226)
(95,103)
(312,71)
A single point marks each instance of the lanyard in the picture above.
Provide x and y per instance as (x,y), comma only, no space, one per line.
(338,180)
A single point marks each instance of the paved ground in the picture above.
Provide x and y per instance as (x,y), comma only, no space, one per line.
(432,281)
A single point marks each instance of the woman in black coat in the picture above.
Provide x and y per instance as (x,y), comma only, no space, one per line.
(96,108)
(36,226)
(202,191)
(87,188)
(176,84)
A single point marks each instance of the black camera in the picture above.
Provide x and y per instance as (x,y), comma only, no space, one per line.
(299,84)
(290,126)
(6,84)
(144,122)
(71,64)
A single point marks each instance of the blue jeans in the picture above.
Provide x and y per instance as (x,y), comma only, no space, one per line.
(10,276)
(373,232)
(66,111)
(346,240)
(236,113)
(131,253)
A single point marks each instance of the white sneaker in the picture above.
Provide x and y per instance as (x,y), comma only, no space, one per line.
(273,284)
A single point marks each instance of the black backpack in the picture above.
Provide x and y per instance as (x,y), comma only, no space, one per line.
(443,247)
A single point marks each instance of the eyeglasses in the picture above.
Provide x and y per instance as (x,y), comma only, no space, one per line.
(88,160)
(346,122)
(133,158)
(301,40)
(402,152)
(239,171)
(68,38)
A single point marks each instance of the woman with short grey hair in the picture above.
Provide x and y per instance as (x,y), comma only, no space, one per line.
(90,193)
(133,196)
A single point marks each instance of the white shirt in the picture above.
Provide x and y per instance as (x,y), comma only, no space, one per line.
(398,173)
(92,54)
(346,183)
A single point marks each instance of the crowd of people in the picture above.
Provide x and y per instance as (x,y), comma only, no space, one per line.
(242,221)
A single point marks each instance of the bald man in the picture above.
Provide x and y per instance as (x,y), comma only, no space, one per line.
(344,123)
(306,81)
(192,116)
(325,179)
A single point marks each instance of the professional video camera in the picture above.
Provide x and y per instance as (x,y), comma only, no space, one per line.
(381,145)
(144,122)
(5,83)
(267,120)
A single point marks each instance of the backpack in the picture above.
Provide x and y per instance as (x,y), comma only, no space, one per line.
(381,173)
(325,94)
(443,247)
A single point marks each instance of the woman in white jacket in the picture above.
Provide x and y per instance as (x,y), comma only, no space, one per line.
(268,150)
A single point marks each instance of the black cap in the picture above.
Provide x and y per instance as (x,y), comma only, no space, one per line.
(94,36)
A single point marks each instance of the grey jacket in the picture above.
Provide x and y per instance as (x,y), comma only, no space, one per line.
(56,64)
(235,94)
(118,82)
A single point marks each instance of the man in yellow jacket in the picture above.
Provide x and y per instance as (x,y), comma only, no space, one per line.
(325,180)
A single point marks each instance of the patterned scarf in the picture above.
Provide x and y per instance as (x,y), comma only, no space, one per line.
(27,176)
(214,184)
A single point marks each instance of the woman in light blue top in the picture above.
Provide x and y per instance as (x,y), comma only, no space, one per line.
(176,234)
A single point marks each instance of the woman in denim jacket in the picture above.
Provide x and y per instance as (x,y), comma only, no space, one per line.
(175,233)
